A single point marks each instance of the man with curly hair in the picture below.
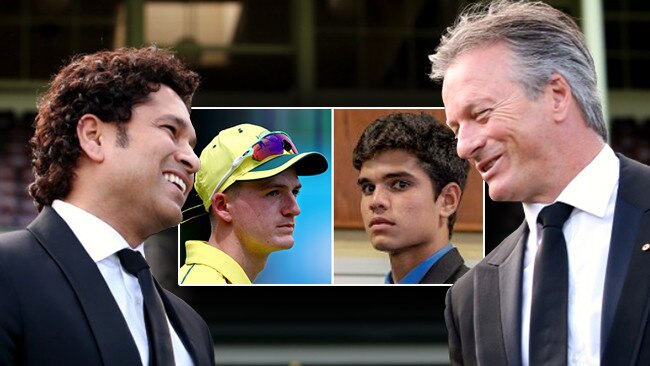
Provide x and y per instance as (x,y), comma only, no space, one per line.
(411,183)
(113,162)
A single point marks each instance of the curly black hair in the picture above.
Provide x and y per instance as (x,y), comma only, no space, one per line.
(433,143)
(107,84)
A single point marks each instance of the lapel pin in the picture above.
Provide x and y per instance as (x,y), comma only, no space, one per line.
(645,247)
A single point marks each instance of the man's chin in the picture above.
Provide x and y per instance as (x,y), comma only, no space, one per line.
(382,244)
(498,192)
(170,216)
(284,243)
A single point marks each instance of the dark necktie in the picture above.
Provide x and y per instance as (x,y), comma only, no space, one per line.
(160,342)
(549,307)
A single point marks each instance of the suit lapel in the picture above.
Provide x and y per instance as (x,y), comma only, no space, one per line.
(181,325)
(626,304)
(510,273)
(500,314)
(626,225)
(104,317)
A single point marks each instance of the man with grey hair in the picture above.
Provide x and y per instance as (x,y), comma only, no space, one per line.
(572,283)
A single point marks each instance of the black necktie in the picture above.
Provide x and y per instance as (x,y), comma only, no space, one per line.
(549,307)
(160,342)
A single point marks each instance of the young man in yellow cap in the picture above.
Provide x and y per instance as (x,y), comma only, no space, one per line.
(248,183)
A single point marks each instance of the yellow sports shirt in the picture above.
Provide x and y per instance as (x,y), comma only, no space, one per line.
(207,265)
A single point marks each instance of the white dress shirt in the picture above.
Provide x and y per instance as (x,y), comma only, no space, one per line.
(102,243)
(588,232)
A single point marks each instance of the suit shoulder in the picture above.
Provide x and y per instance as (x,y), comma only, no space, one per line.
(633,183)
(15,239)
(462,270)
(465,284)
(507,245)
(447,269)
(17,246)
(637,166)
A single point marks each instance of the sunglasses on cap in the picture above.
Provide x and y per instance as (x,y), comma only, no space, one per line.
(270,144)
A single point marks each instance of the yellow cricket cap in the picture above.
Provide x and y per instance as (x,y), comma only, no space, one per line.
(225,160)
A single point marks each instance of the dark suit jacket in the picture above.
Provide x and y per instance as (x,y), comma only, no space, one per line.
(483,308)
(447,269)
(56,309)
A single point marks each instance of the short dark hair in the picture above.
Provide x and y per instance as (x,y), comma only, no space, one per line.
(433,143)
(107,84)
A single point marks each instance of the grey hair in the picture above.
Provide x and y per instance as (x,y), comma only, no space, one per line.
(544,41)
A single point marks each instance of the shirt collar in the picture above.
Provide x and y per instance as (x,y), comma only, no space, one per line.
(200,252)
(417,273)
(97,237)
(589,191)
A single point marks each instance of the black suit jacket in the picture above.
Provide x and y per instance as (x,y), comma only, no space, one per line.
(447,269)
(56,308)
(483,308)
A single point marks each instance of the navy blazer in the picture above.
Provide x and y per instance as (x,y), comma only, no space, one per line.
(483,308)
(56,308)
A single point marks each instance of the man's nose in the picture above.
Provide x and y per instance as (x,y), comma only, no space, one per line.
(379,200)
(189,159)
(470,140)
(291,208)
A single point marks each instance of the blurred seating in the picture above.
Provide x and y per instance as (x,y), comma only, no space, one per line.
(16,207)
(631,138)
(7,121)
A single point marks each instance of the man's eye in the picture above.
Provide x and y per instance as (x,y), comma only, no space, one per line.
(483,114)
(400,185)
(367,189)
(170,128)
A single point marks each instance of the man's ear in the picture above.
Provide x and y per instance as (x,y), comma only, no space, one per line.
(561,94)
(90,130)
(221,206)
(449,199)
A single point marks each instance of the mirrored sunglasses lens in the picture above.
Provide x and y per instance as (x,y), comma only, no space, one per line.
(273,144)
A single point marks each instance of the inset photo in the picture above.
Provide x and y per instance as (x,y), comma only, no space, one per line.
(260,210)
(407,209)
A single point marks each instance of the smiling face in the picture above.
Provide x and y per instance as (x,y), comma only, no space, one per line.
(397,203)
(264,212)
(505,134)
(149,177)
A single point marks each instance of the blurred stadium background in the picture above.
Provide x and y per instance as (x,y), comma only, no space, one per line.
(284,53)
